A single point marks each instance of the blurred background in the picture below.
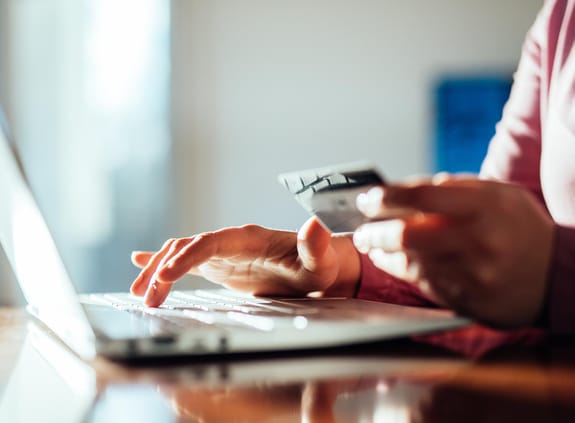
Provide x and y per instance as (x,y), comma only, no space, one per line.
(140,120)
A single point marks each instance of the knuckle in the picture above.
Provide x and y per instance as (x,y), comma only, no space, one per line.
(168,242)
(418,194)
(507,197)
(250,227)
(486,276)
(250,230)
(204,237)
(491,245)
(179,243)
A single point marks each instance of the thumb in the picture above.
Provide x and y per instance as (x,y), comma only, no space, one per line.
(313,241)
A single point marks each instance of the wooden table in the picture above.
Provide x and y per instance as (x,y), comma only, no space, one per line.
(41,380)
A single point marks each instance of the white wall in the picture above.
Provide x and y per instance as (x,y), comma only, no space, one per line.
(263,86)
(89,110)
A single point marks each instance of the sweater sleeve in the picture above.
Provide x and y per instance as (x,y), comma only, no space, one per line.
(560,312)
(378,285)
(515,151)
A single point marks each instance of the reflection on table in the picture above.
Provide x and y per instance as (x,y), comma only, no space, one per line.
(388,382)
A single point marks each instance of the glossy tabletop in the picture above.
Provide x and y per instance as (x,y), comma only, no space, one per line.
(400,381)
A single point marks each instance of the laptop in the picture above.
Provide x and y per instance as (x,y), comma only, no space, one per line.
(190,323)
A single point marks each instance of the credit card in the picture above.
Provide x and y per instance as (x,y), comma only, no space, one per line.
(330,192)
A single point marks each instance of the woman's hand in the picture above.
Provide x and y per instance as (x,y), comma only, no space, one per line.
(253,259)
(480,247)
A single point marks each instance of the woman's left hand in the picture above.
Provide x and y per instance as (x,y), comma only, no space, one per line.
(480,247)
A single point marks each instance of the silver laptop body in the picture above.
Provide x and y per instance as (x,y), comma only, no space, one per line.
(202,322)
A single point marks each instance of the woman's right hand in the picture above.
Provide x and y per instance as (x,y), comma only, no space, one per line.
(253,259)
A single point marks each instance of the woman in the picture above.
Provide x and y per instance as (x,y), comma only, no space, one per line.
(500,249)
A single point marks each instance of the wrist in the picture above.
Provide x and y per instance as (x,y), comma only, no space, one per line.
(349,263)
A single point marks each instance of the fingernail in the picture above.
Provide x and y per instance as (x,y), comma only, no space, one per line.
(369,203)
(360,240)
(151,292)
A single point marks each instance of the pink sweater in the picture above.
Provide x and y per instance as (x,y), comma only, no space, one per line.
(534,146)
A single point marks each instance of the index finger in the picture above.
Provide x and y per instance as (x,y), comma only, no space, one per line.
(144,279)
(456,200)
(249,241)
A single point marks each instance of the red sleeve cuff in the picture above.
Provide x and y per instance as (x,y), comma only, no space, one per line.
(561,294)
(377,285)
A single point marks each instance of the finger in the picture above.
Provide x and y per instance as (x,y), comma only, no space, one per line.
(386,236)
(158,290)
(428,234)
(416,271)
(177,247)
(312,243)
(446,279)
(371,204)
(406,268)
(141,283)
(457,200)
(433,235)
(156,293)
(397,264)
(452,199)
(199,250)
(141,258)
(250,241)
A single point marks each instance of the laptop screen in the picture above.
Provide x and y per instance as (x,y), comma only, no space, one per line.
(30,248)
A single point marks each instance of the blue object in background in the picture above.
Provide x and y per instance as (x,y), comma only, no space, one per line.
(466,111)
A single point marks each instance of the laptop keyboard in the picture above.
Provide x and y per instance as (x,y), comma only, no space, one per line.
(185,309)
